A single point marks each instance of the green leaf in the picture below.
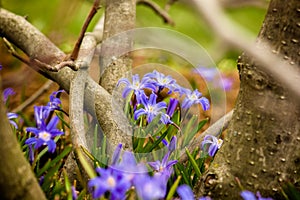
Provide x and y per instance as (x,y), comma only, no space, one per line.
(173,188)
(67,185)
(193,162)
(180,168)
(86,166)
(64,153)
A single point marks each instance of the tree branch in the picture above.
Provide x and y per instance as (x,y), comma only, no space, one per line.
(119,17)
(158,10)
(17,179)
(279,67)
(21,33)
(92,13)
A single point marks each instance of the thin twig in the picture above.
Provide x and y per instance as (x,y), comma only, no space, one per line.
(92,13)
(34,96)
(158,10)
(13,52)
(240,38)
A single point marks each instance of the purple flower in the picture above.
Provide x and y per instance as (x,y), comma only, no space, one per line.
(165,167)
(6,93)
(161,81)
(11,116)
(137,86)
(172,145)
(41,113)
(44,133)
(54,103)
(213,144)
(74,193)
(185,192)
(110,180)
(149,188)
(128,165)
(207,73)
(151,108)
(247,195)
(1,67)
(166,118)
(194,97)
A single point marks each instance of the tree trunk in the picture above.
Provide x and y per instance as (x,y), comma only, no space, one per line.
(261,151)
(17,181)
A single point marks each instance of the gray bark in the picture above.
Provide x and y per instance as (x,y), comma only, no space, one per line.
(17,181)
(262,145)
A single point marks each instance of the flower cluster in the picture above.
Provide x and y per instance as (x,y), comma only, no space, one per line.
(45,130)
(123,175)
(149,105)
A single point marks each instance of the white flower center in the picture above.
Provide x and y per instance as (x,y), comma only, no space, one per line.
(111,181)
(151,109)
(193,97)
(136,85)
(220,142)
(44,135)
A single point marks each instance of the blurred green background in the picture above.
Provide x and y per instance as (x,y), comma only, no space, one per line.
(61,20)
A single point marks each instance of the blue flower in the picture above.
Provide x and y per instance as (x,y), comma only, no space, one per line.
(1,67)
(151,108)
(165,167)
(6,93)
(110,180)
(137,86)
(11,116)
(213,144)
(172,145)
(247,195)
(166,118)
(162,81)
(185,192)
(44,133)
(194,97)
(149,188)
(54,103)
(74,193)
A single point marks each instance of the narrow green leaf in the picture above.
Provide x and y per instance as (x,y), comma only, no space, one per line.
(193,162)
(89,170)
(173,188)
(184,175)
(67,185)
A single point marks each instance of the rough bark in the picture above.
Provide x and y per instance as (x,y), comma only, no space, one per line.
(17,181)
(262,145)
(119,17)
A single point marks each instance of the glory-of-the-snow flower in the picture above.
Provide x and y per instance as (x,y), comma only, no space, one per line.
(110,180)
(195,97)
(212,144)
(44,133)
(136,86)
(151,107)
